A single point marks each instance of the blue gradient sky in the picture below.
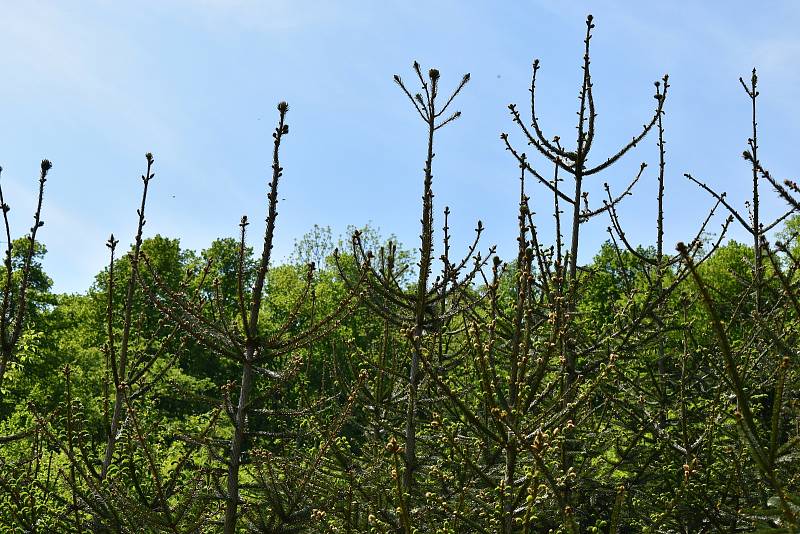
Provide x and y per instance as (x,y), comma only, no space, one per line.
(93,85)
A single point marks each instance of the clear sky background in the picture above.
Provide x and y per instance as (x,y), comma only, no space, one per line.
(93,85)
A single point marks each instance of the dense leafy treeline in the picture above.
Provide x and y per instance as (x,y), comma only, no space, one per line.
(372,388)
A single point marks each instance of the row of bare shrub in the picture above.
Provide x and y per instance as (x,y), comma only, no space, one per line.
(651,390)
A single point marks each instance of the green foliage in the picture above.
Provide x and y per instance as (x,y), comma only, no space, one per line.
(356,389)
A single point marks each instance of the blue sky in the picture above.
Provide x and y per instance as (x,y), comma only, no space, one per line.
(93,85)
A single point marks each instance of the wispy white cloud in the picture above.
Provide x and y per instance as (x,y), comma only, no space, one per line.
(82,70)
(48,48)
(257,15)
(37,37)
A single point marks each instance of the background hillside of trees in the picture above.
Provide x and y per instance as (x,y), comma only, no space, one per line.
(366,385)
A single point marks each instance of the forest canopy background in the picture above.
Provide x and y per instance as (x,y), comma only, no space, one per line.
(562,382)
